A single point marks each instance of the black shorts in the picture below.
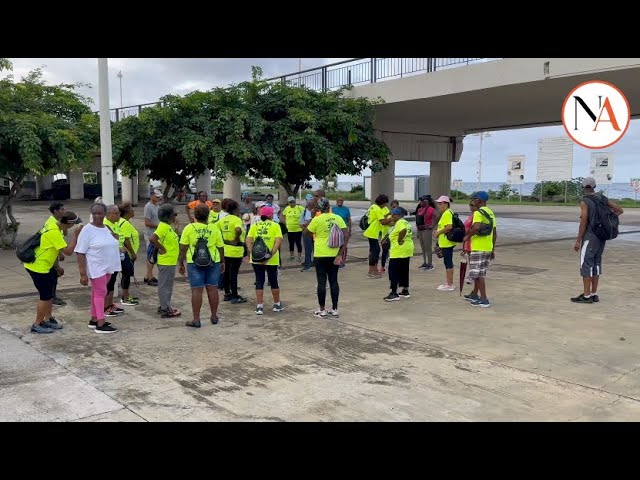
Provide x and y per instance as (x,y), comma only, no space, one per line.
(591,256)
(45,283)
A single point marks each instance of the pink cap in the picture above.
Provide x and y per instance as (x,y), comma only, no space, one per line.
(443,199)
(267,211)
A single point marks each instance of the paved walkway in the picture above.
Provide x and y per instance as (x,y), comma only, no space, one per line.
(532,356)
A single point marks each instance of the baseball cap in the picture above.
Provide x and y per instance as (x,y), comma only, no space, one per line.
(291,199)
(308,197)
(398,211)
(158,193)
(484,196)
(589,182)
(216,200)
(443,199)
(267,211)
(424,197)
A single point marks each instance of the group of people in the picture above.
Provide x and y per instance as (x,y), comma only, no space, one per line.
(221,233)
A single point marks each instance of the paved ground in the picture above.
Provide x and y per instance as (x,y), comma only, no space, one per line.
(533,356)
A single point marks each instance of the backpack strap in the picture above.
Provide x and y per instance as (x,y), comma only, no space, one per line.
(486,215)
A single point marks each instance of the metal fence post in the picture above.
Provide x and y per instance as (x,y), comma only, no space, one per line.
(324,79)
(373,70)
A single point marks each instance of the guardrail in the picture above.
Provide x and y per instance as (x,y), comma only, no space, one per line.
(357,71)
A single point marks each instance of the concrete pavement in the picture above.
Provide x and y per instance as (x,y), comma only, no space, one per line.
(532,356)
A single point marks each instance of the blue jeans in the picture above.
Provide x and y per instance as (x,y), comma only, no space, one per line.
(308,251)
(201,276)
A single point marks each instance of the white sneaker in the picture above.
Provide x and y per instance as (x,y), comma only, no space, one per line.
(320,313)
(334,313)
(446,288)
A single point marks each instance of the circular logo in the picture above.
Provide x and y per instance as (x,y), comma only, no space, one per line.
(596,114)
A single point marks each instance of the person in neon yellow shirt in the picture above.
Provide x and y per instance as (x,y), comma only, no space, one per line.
(482,248)
(114,223)
(233,236)
(165,239)
(379,220)
(57,210)
(132,246)
(445,225)
(202,277)
(214,213)
(271,234)
(400,252)
(41,271)
(292,215)
(328,259)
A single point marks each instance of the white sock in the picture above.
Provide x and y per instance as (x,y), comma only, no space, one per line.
(260,305)
(588,296)
(594,293)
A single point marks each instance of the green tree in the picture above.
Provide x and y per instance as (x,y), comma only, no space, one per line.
(5,64)
(557,189)
(43,129)
(304,134)
(504,192)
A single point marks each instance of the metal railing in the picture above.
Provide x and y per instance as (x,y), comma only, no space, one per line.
(357,71)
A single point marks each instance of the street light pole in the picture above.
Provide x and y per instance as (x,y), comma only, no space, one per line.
(120,77)
(482,135)
(106,159)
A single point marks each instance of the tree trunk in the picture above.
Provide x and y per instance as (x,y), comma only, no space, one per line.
(9,231)
(289,190)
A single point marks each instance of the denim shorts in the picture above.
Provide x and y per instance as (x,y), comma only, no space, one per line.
(201,276)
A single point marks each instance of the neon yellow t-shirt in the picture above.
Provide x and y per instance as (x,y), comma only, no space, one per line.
(269,231)
(129,231)
(168,238)
(116,228)
(321,226)
(227,226)
(375,214)
(51,242)
(480,243)
(445,219)
(293,215)
(51,223)
(214,216)
(406,249)
(195,230)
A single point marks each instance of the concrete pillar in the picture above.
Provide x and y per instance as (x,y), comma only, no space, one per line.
(383,182)
(231,188)
(76,184)
(143,184)
(134,201)
(203,182)
(127,189)
(43,182)
(439,179)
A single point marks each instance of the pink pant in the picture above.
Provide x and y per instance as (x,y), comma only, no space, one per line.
(98,292)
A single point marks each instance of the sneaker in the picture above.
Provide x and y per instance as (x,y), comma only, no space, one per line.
(110,312)
(194,324)
(259,310)
(130,301)
(152,282)
(227,298)
(447,288)
(429,268)
(334,313)
(214,319)
(115,308)
(58,302)
(582,299)
(424,265)
(237,300)
(482,302)
(299,259)
(392,297)
(169,313)
(94,323)
(595,298)
(306,269)
(54,321)
(278,307)
(106,329)
(320,313)
(40,329)
(53,325)
(405,294)
(472,297)
(374,275)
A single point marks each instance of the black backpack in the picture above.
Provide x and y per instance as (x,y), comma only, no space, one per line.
(607,222)
(201,254)
(456,234)
(485,228)
(26,252)
(259,251)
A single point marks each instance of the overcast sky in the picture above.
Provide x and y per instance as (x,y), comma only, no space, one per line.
(146,80)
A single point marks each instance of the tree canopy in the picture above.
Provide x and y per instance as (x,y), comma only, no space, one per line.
(43,129)
(264,130)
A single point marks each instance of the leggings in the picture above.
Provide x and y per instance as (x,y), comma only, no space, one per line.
(98,292)
(399,273)
(374,252)
(326,269)
(111,284)
(231,269)
(127,272)
(295,238)
(426,244)
(385,255)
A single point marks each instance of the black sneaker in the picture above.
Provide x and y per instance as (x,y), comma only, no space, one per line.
(194,324)
(472,297)
(40,329)
(227,298)
(237,300)
(52,324)
(582,299)
(595,298)
(278,307)
(392,297)
(106,329)
(94,324)
(405,294)
(58,302)
(424,265)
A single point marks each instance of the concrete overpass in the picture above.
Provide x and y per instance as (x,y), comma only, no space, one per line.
(431,104)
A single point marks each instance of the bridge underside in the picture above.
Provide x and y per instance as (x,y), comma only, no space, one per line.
(524,105)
